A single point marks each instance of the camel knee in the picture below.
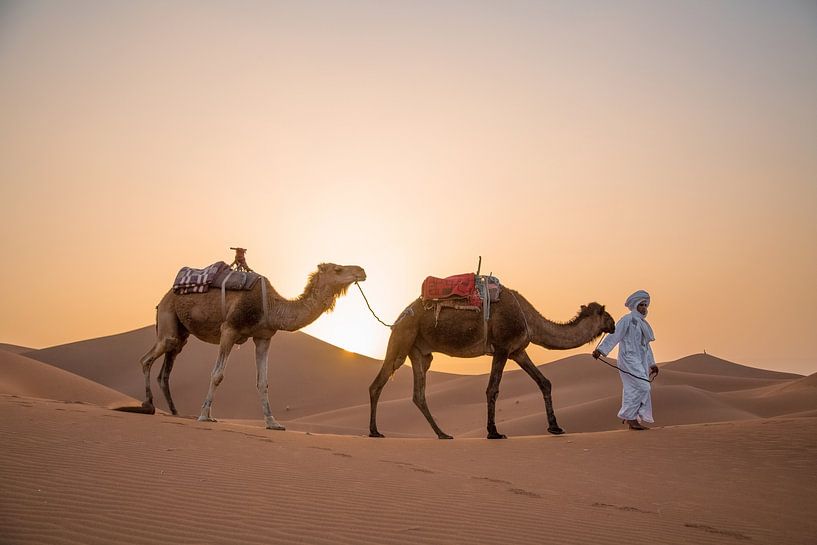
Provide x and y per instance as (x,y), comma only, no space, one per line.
(163,346)
(376,387)
(173,344)
(386,372)
(147,361)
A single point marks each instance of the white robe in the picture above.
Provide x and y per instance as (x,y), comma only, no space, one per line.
(635,356)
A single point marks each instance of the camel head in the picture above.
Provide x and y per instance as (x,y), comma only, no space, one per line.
(595,310)
(336,278)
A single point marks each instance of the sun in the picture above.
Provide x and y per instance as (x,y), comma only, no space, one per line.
(351,327)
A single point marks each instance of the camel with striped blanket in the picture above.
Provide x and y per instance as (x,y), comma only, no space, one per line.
(230,318)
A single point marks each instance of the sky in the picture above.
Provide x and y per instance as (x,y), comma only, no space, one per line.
(584,149)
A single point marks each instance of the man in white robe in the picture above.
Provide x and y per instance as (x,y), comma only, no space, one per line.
(633,336)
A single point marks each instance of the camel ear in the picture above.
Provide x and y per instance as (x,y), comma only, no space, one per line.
(584,307)
(323,267)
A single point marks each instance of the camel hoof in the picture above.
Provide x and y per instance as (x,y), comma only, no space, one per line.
(556,431)
(376,434)
(444,436)
(497,436)
(276,426)
(206,419)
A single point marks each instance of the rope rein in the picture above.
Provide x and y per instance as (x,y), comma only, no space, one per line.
(370,307)
(613,365)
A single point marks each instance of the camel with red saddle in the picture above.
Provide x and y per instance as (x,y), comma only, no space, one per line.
(469,318)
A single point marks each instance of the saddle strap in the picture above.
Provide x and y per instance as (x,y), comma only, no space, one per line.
(486,312)
(264,301)
(224,295)
(439,305)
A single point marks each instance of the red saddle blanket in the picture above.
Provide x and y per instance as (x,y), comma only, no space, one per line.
(460,285)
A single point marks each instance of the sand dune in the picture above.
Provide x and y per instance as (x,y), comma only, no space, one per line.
(78,474)
(586,398)
(712,365)
(23,376)
(778,399)
(307,375)
(316,386)
(14,349)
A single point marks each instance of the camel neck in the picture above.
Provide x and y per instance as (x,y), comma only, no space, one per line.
(554,335)
(291,315)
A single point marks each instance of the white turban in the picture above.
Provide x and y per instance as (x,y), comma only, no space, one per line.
(632,303)
(636,299)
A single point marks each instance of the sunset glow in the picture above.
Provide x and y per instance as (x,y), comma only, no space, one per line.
(583,154)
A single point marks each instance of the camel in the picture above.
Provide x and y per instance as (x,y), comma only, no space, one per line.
(513,324)
(243,315)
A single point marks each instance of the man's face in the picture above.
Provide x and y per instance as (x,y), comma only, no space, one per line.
(642,308)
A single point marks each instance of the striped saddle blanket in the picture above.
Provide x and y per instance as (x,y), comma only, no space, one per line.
(189,280)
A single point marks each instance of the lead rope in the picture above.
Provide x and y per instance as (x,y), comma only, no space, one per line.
(613,365)
(370,307)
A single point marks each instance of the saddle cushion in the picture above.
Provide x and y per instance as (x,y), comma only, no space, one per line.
(461,286)
(238,280)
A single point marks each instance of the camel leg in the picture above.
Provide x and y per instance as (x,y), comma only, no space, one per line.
(497,366)
(167,368)
(262,381)
(225,346)
(166,346)
(527,365)
(419,365)
(164,380)
(390,366)
(170,338)
(147,362)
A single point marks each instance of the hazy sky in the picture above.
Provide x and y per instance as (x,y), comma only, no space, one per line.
(584,149)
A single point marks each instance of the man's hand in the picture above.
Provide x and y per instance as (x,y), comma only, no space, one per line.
(596,354)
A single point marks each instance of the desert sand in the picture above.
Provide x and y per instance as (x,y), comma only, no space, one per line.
(731,458)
